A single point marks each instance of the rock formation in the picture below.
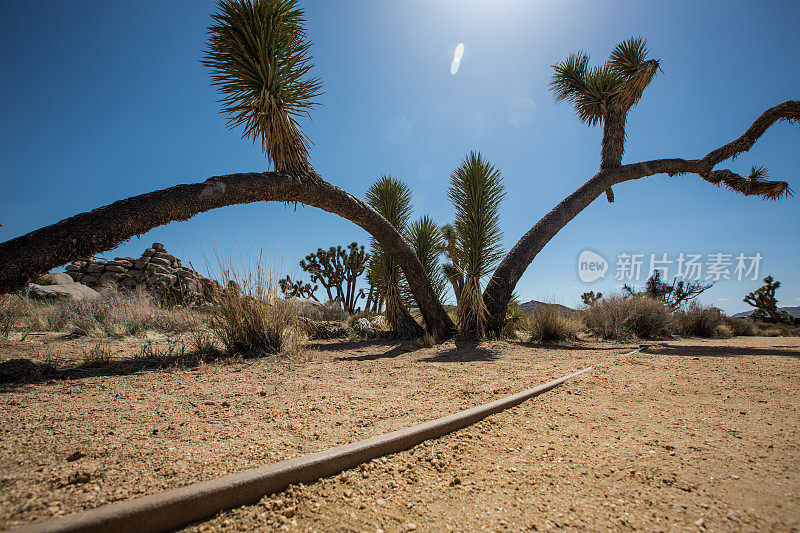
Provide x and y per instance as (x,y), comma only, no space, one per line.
(156,270)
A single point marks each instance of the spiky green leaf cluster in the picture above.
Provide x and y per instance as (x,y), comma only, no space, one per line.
(258,54)
(625,76)
(476,190)
(758,173)
(391,198)
(428,242)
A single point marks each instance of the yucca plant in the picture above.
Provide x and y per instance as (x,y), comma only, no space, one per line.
(258,53)
(392,199)
(476,190)
(428,242)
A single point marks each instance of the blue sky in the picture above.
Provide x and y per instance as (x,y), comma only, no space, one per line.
(104,100)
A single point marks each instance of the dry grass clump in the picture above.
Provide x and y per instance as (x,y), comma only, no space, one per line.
(624,317)
(112,313)
(249,317)
(99,356)
(696,320)
(549,324)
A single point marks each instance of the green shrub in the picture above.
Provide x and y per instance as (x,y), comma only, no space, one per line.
(695,320)
(549,324)
(515,319)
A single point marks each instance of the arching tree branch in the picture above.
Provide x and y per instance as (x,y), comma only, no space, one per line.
(500,288)
(23,258)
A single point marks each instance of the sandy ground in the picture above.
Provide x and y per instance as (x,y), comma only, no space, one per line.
(691,434)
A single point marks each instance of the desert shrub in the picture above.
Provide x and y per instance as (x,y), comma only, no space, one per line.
(649,318)
(249,317)
(549,324)
(776,330)
(624,317)
(723,331)
(695,320)
(741,327)
(608,318)
(111,313)
(426,341)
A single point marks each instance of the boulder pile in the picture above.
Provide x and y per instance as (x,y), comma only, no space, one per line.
(156,270)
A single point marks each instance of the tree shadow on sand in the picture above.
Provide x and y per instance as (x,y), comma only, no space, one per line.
(778,349)
(577,345)
(22,371)
(463,351)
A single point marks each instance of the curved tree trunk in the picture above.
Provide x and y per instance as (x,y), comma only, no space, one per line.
(501,287)
(24,258)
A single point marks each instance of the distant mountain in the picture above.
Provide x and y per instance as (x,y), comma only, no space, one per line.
(794,311)
(533,305)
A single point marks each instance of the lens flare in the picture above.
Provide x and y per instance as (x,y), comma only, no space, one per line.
(457,55)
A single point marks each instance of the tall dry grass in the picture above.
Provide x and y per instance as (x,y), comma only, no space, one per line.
(112,313)
(12,312)
(249,317)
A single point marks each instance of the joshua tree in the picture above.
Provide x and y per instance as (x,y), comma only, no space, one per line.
(338,269)
(297,289)
(604,95)
(391,198)
(765,303)
(476,190)
(590,298)
(259,56)
(674,295)
(258,53)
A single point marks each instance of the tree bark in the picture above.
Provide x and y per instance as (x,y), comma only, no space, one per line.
(613,145)
(24,258)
